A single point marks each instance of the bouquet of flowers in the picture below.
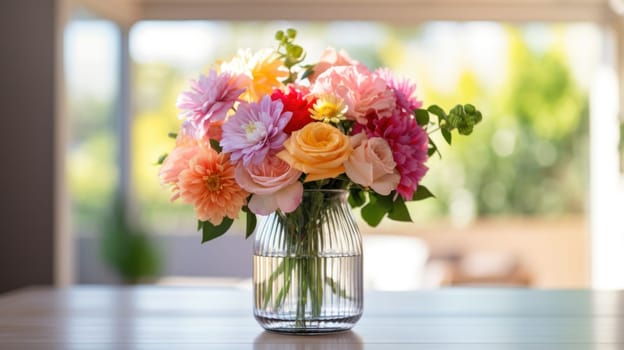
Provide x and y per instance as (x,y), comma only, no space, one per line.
(260,128)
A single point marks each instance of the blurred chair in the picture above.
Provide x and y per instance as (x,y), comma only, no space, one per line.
(479,268)
(490,268)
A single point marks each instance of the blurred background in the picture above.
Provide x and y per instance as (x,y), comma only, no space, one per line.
(531,199)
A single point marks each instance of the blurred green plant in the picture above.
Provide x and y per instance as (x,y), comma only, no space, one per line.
(128,249)
(530,156)
(537,159)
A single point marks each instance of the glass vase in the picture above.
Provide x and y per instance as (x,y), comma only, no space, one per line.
(308,267)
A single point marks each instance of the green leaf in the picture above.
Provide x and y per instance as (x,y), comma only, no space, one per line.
(399,211)
(372,214)
(422,117)
(251,222)
(464,118)
(210,231)
(172,135)
(292,33)
(470,109)
(215,145)
(377,208)
(384,201)
(436,110)
(447,135)
(161,158)
(357,197)
(288,61)
(433,149)
(421,193)
(307,73)
(295,51)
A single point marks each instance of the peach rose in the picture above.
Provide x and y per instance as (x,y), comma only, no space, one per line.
(371,164)
(332,58)
(318,149)
(273,184)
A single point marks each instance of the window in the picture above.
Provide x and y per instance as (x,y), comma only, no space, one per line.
(92,76)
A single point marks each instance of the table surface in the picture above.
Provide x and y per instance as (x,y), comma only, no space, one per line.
(220,318)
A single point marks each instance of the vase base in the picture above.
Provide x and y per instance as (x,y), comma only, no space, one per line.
(311,327)
(321,332)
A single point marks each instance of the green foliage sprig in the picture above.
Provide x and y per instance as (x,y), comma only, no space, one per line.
(462,118)
(292,54)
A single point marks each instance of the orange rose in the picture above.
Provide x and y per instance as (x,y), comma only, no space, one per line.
(318,150)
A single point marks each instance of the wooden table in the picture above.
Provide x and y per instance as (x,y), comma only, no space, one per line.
(207,318)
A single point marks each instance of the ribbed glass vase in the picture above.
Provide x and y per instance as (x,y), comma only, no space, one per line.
(308,267)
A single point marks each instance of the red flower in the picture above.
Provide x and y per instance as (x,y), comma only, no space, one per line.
(294,101)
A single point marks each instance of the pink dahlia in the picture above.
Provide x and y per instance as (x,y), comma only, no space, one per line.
(255,131)
(408,142)
(364,92)
(209,100)
(403,91)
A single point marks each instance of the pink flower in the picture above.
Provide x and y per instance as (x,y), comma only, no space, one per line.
(173,165)
(177,161)
(255,131)
(409,143)
(403,90)
(363,92)
(273,183)
(215,130)
(212,130)
(208,184)
(331,58)
(371,164)
(209,100)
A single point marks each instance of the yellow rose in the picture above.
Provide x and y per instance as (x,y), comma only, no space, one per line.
(318,150)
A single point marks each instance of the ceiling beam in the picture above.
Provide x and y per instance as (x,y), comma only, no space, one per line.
(401,11)
(123,12)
